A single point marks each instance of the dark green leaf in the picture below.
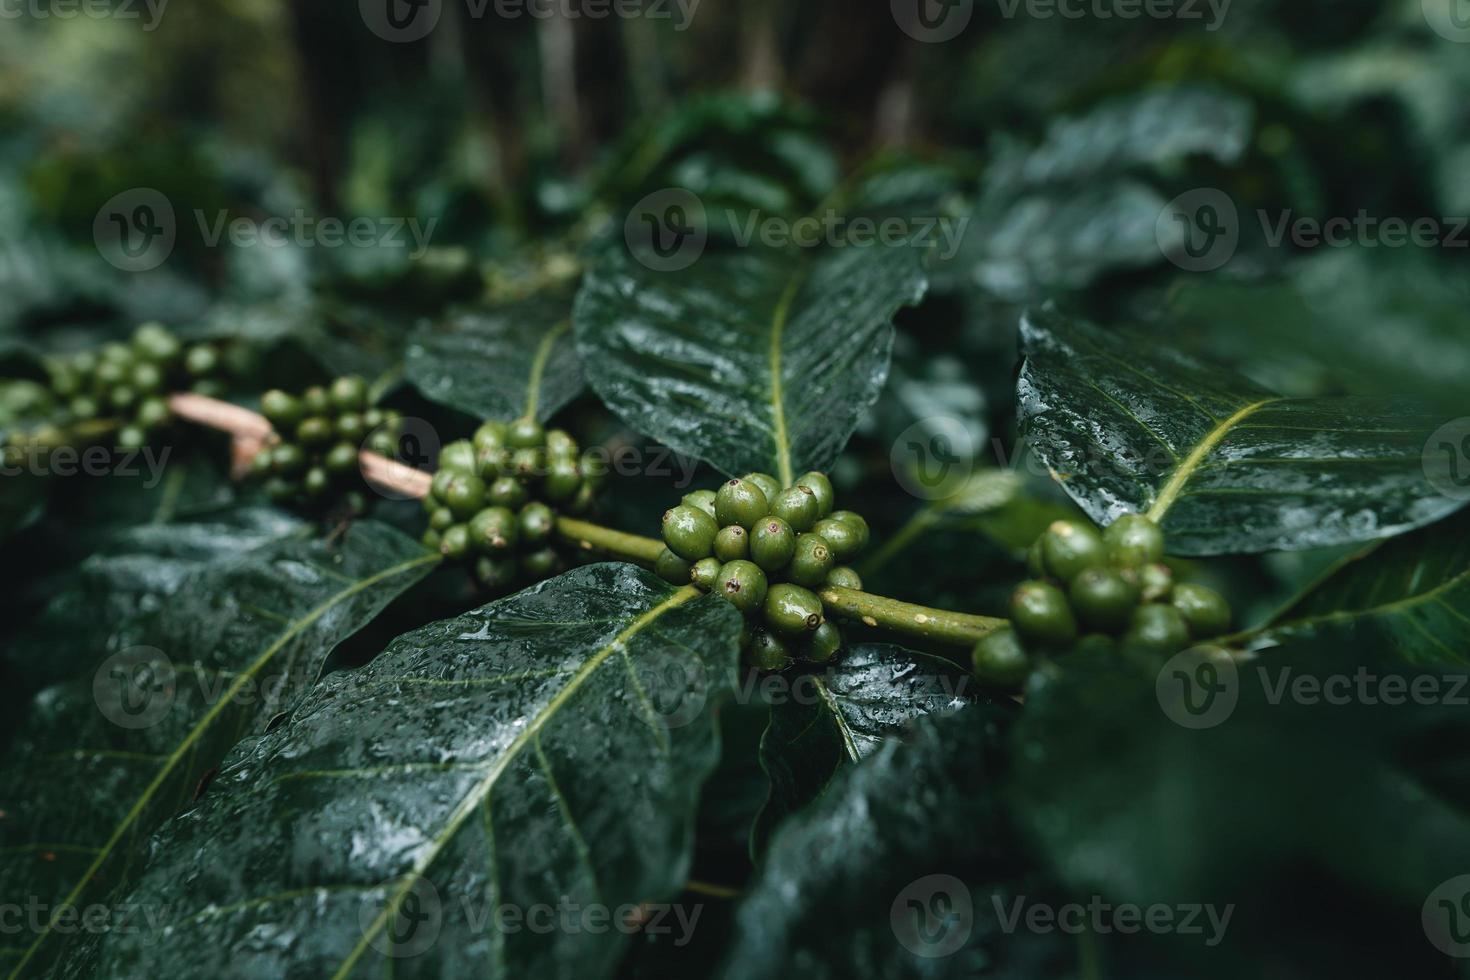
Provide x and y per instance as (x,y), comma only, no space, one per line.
(1409,595)
(754,359)
(500,363)
(822,722)
(1223,464)
(541,750)
(106,758)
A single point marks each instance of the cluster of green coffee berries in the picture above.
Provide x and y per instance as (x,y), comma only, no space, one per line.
(129,382)
(1112,583)
(495,499)
(767,550)
(312,458)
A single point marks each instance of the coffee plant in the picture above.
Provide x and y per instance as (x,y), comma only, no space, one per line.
(920,525)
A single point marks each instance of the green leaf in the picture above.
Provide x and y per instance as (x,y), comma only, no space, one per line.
(752,359)
(538,750)
(501,362)
(1409,595)
(1223,464)
(106,758)
(822,722)
(916,825)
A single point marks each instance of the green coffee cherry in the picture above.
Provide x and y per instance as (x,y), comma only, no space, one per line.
(1134,541)
(458,455)
(1156,582)
(855,521)
(494,530)
(740,502)
(769,485)
(122,397)
(316,482)
(454,542)
(671,568)
(316,401)
(772,544)
(465,495)
(537,521)
(131,437)
(559,442)
(152,413)
(1205,610)
(351,427)
(441,520)
(1035,563)
(315,431)
(496,574)
(689,532)
(812,561)
(797,506)
(1068,547)
(563,478)
(287,459)
(1157,628)
(1103,599)
(1040,612)
(507,491)
(349,394)
(703,499)
(791,610)
(146,377)
(823,644)
(539,564)
(439,485)
(732,543)
(201,360)
(492,462)
(843,577)
(1000,659)
(341,458)
(766,651)
(706,573)
(822,488)
(843,538)
(431,539)
(489,437)
(743,585)
(155,342)
(524,433)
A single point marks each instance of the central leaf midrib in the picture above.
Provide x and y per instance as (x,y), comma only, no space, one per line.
(1186,469)
(476,797)
(538,366)
(197,732)
(779,317)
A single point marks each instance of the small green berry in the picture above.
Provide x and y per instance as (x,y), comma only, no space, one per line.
(843,538)
(82,408)
(540,564)
(843,577)
(1157,628)
(287,459)
(822,488)
(732,543)
(494,530)
(315,431)
(525,433)
(458,455)
(743,585)
(382,442)
(537,521)
(146,377)
(284,491)
(1035,562)
(155,342)
(201,360)
(740,502)
(559,442)
(261,464)
(122,397)
(465,495)
(1156,582)
(489,436)
(1068,547)
(1000,659)
(209,388)
(812,561)
(152,413)
(496,574)
(351,427)
(689,532)
(671,568)
(1103,599)
(563,478)
(1134,541)
(431,540)
(526,463)
(492,462)
(584,500)
(791,610)
(797,506)
(772,544)
(316,482)
(349,394)
(507,491)
(769,485)
(703,499)
(1204,609)
(341,458)
(439,485)
(1040,612)
(131,437)
(316,401)
(767,651)
(705,573)
(441,519)
(824,643)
